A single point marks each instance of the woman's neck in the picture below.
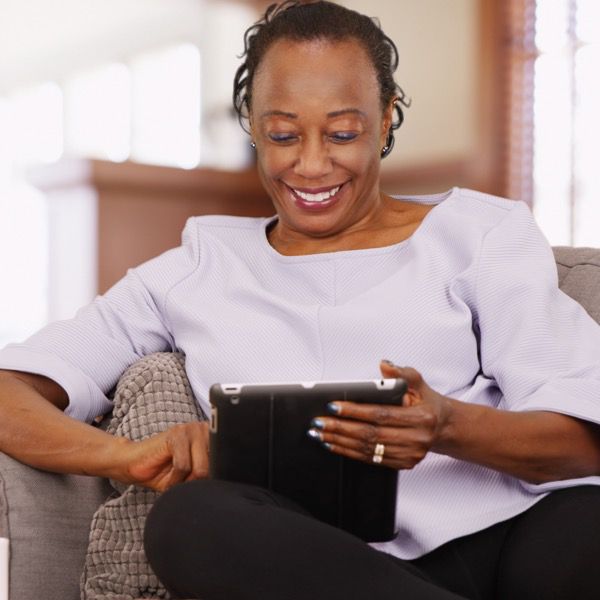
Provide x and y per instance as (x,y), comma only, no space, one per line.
(396,222)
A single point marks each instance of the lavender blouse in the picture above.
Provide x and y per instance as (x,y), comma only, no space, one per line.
(470,300)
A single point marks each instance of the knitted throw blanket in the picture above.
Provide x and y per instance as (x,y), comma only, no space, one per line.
(152,395)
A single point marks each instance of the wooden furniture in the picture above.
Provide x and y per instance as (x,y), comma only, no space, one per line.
(141,209)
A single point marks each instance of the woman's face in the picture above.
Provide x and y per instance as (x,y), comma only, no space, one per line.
(319,128)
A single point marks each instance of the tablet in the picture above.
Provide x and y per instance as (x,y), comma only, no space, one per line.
(258,435)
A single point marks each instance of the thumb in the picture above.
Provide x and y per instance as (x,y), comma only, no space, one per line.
(388,369)
(411,376)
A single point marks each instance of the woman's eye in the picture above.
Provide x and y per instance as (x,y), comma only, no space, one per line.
(282,138)
(343,136)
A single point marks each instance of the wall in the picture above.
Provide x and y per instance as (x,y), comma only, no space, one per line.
(441,69)
(438,43)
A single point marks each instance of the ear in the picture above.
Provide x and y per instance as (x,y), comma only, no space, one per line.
(386,122)
(251,128)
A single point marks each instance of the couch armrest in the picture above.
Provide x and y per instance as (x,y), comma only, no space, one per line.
(47,518)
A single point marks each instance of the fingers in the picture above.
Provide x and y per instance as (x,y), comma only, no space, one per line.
(199,456)
(189,456)
(363,445)
(379,414)
(406,432)
(412,377)
(396,456)
(414,381)
(363,437)
(388,369)
(161,461)
(354,454)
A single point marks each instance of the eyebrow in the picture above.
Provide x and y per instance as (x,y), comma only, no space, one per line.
(330,115)
(345,111)
(279,113)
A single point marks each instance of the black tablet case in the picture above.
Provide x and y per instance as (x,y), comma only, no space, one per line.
(259,436)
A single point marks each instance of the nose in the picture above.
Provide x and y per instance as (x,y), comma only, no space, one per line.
(313,159)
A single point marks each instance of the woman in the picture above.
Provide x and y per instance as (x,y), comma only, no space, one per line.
(498,440)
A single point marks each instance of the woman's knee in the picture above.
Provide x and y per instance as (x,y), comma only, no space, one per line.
(207,512)
(204,504)
(190,528)
(552,549)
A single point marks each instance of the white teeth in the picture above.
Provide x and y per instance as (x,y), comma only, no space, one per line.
(320,197)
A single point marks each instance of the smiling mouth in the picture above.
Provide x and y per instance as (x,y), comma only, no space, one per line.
(316,197)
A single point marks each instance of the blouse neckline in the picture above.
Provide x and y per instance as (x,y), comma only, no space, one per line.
(437,199)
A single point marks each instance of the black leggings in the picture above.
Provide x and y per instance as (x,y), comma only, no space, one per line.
(222,541)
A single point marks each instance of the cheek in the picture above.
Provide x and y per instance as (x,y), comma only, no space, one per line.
(356,158)
(273,162)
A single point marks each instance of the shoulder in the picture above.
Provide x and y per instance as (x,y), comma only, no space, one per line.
(486,209)
(199,237)
(468,230)
(511,246)
(202,237)
(508,223)
(211,235)
(477,219)
(197,228)
(471,212)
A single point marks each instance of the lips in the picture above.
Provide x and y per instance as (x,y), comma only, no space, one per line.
(315,198)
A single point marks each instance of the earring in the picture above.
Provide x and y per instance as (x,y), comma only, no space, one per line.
(385,150)
(253,145)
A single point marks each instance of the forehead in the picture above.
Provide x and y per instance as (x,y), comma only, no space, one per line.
(318,71)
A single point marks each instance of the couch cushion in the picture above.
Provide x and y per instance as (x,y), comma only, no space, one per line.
(47,519)
(579,276)
(153,395)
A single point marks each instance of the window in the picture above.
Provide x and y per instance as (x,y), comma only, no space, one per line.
(166,107)
(35,124)
(98,113)
(554,127)
(31,125)
(23,261)
(146,109)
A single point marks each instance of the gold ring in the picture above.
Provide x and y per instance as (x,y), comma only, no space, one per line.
(379,450)
(377,458)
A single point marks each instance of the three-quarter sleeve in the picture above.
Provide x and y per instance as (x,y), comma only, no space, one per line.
(537,343)
(87,354)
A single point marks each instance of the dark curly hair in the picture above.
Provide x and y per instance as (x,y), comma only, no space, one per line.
(299,21)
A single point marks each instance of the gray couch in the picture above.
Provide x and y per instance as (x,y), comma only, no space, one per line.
(47,516)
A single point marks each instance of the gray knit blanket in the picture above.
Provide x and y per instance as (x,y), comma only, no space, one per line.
(152,395)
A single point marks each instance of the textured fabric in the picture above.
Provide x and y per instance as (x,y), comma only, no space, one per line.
(470,300)
(569,261)
(578,270)
(47,517)
(153,395)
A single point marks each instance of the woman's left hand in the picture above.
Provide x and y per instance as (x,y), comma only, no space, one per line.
(407,432)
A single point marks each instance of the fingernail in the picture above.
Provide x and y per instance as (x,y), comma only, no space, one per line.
(314,434)
(318,423)
(334,408)
(327,445)
(387,362)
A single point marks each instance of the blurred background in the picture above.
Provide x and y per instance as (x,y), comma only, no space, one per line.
(116,125)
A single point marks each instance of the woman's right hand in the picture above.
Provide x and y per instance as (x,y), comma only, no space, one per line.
(35,430)
(173,456)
